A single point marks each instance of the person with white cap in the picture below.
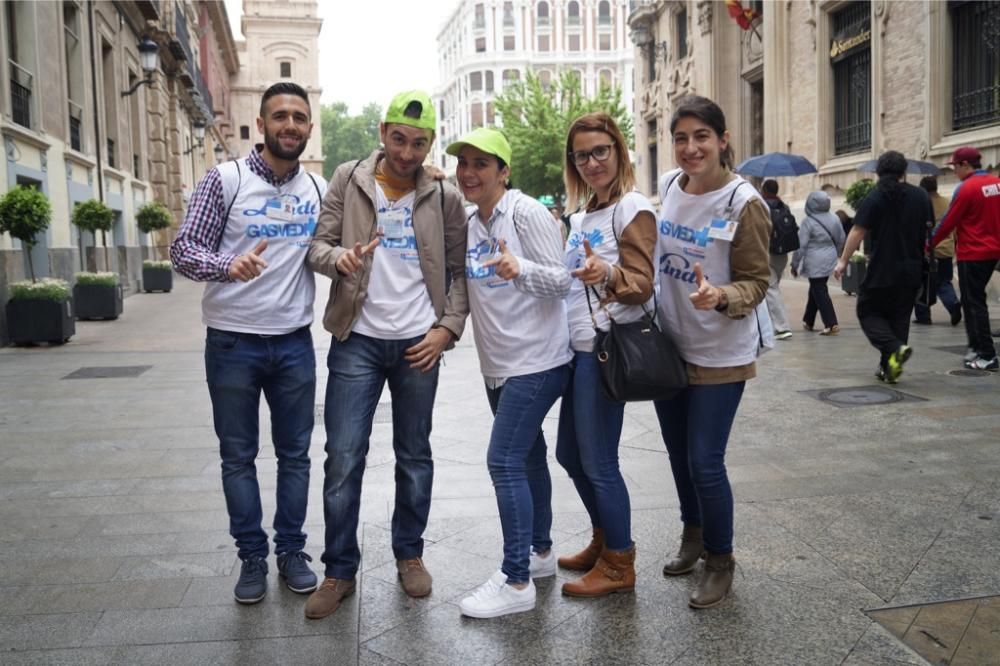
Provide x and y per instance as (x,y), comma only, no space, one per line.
(517,281)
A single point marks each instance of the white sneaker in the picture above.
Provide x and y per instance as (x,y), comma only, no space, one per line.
(495,598)
(542,567)
(970,355)
(782,335)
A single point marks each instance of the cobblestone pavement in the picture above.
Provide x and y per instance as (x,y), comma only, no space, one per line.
(114,545)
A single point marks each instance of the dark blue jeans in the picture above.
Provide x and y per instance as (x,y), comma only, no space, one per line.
(359,368)
(238,367)
(590,426)
(945,291)
(695,425)
(516,460)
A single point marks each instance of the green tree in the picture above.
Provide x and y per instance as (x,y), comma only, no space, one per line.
(24,213)
(536,121)
(347,137)
(93,216)
(857,192)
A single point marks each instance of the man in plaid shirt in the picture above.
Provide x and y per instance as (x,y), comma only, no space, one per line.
(246,234)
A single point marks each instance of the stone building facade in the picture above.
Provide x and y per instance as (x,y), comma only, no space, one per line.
(836,81)
(78,122)
(281,43)
(486,44)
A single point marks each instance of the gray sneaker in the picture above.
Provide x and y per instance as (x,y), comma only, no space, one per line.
(297,574)
(252,585)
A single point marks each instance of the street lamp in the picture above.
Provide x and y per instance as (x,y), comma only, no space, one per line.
(219,152)
(643,40)
(149,60)
(199,134)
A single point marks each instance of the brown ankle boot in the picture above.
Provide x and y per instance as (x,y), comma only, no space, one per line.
(586,558)
(715,581)
(688,554)
(614,571)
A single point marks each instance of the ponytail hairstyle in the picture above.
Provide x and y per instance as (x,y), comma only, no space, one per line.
(709,113)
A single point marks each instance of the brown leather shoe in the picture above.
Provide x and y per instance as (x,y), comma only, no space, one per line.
(715,581)
(691,550)
(613,572)
(414,578)
(327,597)
(586,558)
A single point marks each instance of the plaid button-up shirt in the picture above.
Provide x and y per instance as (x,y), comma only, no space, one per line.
(195,252)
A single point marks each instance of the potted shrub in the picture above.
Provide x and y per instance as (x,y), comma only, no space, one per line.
(151,217)
(38,310)
(157,276)
(96,295)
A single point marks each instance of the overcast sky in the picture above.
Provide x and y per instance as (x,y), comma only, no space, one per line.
(371,49)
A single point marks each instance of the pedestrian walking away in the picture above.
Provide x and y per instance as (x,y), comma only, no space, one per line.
(610,252)
(246,234)
(713,273)
(517,281)
(784,241)
(388,236)
(974,216)
(895,215)
(821,239)
(943,253)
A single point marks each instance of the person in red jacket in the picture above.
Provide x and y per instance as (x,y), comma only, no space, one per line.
(975,214)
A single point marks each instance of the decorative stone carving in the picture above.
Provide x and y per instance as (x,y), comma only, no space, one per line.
(753,45)
(10,148)
(43,158)
(705,8)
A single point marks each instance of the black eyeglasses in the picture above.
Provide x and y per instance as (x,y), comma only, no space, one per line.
(600,153)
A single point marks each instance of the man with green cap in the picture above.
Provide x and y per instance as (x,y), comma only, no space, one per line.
(392,240)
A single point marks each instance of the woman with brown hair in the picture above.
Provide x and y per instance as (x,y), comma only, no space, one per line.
(610,250)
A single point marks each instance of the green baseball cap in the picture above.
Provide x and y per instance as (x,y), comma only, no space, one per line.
(397,108)
(490,141)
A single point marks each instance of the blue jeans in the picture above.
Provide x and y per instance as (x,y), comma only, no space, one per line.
(359,368)
(516,460)
(590,426)
(695,425)
(238,367)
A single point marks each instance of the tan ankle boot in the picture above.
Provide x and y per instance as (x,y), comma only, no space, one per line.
(614,571)
(715,581)
(688,554)
(586,558)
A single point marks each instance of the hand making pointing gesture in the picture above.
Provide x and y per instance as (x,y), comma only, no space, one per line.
(248,266)
(708,296)
(352,260)
(506,264)
(594,270)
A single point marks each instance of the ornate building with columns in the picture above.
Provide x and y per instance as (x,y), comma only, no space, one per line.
(836,81)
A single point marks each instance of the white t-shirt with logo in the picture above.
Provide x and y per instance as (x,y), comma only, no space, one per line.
(397,306)
(596,227)
(700,228)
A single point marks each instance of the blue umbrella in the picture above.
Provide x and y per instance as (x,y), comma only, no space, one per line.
(912,166)
(775,164)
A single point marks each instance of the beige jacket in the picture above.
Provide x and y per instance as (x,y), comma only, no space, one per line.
(347,216)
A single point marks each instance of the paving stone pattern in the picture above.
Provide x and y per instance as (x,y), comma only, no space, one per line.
(114,545)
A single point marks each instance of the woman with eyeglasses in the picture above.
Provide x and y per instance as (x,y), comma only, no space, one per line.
(610,253)
(713,272)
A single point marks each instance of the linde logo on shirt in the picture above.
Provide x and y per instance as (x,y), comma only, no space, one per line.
(301,207)
(678,267)
(575,242)
(685,234)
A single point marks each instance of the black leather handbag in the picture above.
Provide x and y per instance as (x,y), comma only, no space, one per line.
(638,361)
(927,293)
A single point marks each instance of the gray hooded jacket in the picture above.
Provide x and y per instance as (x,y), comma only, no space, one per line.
(821,238)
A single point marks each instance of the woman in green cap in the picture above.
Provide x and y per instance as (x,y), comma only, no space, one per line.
(517,281)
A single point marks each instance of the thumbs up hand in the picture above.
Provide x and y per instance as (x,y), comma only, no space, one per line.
(707,297)
(506,263)
(353,259)
(248,266)
(594,270)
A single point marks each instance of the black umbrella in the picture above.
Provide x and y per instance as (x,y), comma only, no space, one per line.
(775,164)
(912,166)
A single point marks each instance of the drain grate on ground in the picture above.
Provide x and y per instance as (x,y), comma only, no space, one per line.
(961,631)
(861,396)
(969,372)
(383,413)
(108,372)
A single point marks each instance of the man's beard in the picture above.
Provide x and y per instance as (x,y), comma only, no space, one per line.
(274,146)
